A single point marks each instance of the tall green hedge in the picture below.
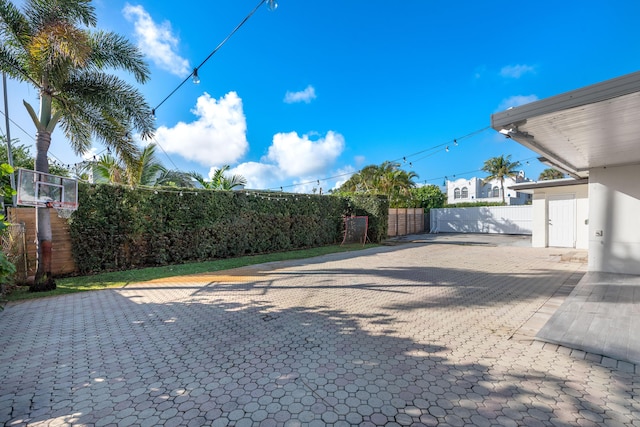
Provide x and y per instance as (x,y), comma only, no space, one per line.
(118,228)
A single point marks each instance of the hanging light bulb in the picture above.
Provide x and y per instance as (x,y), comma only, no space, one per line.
(455,142)
(272,5)
(153,114)
(447,149)
(195,79)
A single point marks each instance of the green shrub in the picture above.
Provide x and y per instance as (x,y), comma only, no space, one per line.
(118,228)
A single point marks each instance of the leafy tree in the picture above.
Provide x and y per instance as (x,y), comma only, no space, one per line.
(428,197)
(386,179)
(220,181)
(500,168)
(549,174)
(52,45)
(7,269)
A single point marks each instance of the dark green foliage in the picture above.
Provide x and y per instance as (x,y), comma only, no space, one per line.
(473,204)
(118,228)
(427,197)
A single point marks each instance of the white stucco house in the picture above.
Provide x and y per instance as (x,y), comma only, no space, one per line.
(591,134)
(469,190)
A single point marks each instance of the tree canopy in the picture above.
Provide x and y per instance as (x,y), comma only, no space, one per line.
(549,174)
(386,179)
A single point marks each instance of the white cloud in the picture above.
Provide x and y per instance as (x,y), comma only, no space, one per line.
(303,96)
(516,101)
(217,137)
(516,71)
(300,156)
(297,159)
(258,175)
(156,41)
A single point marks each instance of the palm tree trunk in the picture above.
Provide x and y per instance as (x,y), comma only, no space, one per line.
(44,279)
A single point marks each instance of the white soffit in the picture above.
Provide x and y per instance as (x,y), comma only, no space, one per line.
(595,126)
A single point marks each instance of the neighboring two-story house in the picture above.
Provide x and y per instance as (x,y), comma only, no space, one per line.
(474,189)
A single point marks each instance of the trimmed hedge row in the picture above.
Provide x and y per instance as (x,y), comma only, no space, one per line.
(118,228)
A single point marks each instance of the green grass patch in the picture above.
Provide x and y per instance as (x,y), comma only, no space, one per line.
(119,279)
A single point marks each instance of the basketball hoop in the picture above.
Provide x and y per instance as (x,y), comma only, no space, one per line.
(64,212)
(44,190)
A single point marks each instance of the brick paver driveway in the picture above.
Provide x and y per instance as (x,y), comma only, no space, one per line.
(422,334)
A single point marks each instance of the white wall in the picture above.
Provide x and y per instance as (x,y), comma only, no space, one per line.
(540,237)
(484,219)
(614,223)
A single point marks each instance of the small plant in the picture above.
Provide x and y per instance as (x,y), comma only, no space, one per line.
(7,269)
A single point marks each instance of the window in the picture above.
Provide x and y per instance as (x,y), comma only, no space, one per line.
(456,193)
(496,191)
(465,193)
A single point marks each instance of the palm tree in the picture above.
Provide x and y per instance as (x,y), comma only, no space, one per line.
(550,173)
(174,178)
(51,45)
(107,169)
(220,181)
(500,168)
(145,169)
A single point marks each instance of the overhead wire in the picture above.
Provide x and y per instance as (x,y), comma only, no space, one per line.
(432,151)
(195,70)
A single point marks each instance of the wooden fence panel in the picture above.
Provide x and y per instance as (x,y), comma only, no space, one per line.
(62,261)
(404,221)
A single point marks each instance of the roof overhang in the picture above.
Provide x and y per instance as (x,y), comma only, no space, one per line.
(529,187)
(595,126)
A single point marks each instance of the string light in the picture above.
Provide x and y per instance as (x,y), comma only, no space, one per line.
(271,4)
(431,152)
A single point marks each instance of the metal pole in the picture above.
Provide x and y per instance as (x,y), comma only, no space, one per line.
(12,176)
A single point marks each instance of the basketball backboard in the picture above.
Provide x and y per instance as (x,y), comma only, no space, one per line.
(46,190)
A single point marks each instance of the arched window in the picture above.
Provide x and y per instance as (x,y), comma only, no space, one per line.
(456,193)
(496,191)
(465,193)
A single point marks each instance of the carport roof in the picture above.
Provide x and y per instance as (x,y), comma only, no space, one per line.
(595,126)
(528,187)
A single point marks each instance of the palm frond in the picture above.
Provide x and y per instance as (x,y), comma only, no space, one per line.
(45,12)
(110,50)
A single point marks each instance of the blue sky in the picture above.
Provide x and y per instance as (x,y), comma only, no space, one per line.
(305,95)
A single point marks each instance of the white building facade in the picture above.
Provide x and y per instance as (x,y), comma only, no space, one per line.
(471,190)
(601,123)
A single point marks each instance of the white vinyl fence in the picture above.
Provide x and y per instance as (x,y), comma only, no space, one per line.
(484,219)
